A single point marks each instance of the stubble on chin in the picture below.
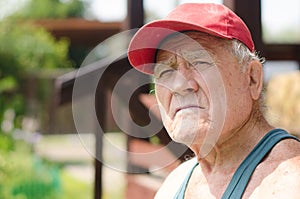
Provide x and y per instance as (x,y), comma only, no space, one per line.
(187,127)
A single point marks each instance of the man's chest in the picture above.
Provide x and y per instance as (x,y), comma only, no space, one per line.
(213,187)
(207,187)
(269,180)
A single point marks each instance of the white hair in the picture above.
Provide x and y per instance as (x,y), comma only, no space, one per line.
(244,56)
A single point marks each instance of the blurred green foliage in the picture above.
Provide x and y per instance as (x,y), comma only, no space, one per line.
(26,50)
(73,188)
(42,9)
(25,46)
(24,176)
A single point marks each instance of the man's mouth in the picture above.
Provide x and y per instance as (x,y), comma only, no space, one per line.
(188,107)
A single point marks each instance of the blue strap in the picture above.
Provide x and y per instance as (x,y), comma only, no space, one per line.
(240,179)
(181,191)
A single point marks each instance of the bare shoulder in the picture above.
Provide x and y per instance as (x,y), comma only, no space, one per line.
(284,180)
(288,173)
(174,180)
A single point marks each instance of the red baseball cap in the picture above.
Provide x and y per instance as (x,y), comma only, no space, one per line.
(214,19)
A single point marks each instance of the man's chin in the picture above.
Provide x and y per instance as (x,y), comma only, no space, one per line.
(183,139)
(188,136)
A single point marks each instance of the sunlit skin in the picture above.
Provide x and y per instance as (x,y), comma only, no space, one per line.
(183,90)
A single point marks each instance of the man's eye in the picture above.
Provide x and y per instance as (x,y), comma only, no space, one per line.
(165,72)
(195,63)
(201,65)
(162,70)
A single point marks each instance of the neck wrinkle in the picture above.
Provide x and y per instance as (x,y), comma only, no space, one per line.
(225,157)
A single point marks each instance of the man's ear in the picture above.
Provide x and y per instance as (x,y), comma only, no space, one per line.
(255,78)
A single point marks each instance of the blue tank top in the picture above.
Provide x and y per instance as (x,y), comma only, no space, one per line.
(241,177)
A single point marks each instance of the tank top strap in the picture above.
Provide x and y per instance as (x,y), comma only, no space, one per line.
(240,179)
(181,191)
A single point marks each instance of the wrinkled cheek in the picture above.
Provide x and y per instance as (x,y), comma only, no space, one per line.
(163,99)
(163,95)
(168,123)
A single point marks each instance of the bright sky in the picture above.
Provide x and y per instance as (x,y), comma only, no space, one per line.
(279,14)
(9,7)
(276,14)
(109,10)
(116,9)
(274,11)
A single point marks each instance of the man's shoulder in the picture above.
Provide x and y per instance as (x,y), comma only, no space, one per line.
(289,169)
(283,182)
(174,180)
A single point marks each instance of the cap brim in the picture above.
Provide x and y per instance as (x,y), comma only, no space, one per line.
(142,48)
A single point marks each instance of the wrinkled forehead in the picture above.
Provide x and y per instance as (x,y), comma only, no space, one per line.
(189,44)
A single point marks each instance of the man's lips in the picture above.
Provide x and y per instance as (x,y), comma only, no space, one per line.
(187,107)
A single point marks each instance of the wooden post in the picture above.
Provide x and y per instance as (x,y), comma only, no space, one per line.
(101,113)
(250,12)
(135,14)
(135,19)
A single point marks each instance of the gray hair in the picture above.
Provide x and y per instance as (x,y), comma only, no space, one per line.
(244,55)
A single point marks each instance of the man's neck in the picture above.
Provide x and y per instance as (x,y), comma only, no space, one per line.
(228,155)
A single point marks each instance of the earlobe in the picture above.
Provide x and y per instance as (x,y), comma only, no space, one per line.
(255,75)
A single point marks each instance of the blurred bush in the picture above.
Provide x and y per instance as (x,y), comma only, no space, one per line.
(51,9)
(29,54)
(282,99)
(24,176)
(25,50)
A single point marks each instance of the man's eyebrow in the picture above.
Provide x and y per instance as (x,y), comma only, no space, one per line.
(165,58)
(195,54)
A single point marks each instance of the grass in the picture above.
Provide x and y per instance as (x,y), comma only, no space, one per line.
(72,188)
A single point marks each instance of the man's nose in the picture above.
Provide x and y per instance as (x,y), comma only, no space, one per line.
(184,81)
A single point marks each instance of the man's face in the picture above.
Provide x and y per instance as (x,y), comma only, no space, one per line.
(200,88)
